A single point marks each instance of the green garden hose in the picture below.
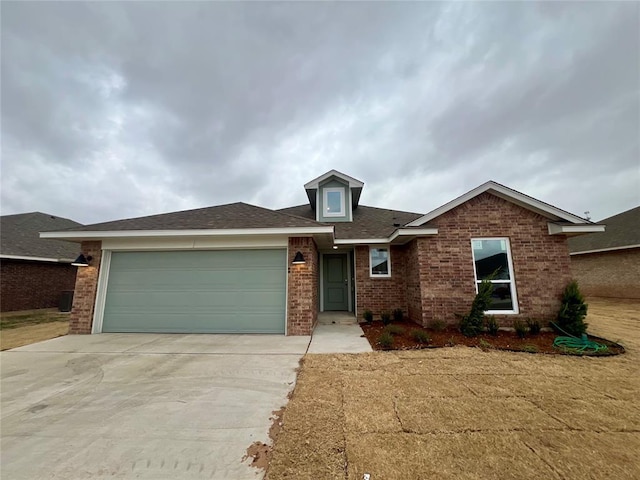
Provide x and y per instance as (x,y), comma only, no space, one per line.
(577,345)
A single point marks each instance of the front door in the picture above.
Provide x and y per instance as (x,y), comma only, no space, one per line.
(335,282)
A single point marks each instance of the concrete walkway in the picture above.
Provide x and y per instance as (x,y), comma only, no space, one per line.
(148,406)
(338,338)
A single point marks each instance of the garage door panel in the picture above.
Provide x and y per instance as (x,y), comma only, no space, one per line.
(196,292)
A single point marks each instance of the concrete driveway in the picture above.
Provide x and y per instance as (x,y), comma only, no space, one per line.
(142,405)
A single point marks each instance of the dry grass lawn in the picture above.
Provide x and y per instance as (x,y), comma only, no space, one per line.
(24,328)
(461,413)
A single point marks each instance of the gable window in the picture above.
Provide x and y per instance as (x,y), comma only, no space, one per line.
(379,262)
(493,256)
(334,202)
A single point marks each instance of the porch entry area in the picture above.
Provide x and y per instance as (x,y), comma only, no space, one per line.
(337,283)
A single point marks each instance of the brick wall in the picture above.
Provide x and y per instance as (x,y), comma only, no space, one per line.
(380,294)
(302,301)
(29,285)
(608,274)
(84,298)
(446,276)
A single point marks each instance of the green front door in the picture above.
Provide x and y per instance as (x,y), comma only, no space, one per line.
(335,282)
(223,291)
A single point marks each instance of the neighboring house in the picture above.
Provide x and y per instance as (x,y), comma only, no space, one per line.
(608,264)
(241,268)
(34,271)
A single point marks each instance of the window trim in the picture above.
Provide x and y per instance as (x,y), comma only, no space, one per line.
(511,282)
(343,207)
(380,275)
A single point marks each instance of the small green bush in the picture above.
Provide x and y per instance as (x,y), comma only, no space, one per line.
(398,315)
(451,342)
(484,345)
(472,323)
(534,326)
(530,348)
(420,336)
(386,318)
(573,311)
(520,327)
(368,316)
(437,325)
(386,340)
(491,324)
(394,329)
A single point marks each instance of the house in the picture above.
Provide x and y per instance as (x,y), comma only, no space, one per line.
(33,271)
(241,268)
(608,264)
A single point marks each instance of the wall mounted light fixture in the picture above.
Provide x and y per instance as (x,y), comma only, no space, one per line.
(82,261)
(298,259)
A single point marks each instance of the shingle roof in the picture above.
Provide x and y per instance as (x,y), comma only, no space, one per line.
(231,216)
(622,230)
(20,236)
(368,222)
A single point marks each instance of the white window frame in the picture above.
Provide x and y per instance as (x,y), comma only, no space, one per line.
(325,195)
(511,281)
(380,275)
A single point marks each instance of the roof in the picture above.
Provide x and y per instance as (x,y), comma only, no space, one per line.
(368,222)
(355,186)
(623,231)
(506,193)
(20,237)
(231,216)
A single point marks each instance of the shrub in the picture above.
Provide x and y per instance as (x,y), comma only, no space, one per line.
(484,345)
(491,324)
(520,327)
(368,316)
(471,323)
(398,315)
(572,312)
(534,326)
(420,336)
(386,340)
(530,348)
(437,325)
(386,318)
(451,342)
(394,329)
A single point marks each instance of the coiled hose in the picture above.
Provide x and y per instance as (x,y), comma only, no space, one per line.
(577,345)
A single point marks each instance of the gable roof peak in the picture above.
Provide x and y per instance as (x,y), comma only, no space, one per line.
(353,182)
(506,193)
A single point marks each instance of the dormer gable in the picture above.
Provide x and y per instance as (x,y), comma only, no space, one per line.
(334,196)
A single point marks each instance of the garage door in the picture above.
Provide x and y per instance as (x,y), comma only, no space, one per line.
(230,291)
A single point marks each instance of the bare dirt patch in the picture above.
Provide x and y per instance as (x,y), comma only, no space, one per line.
(259,452)
(467,413)
(24,328)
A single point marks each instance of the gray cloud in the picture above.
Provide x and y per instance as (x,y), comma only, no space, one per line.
(111,110)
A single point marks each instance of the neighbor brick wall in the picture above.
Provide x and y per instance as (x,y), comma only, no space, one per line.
(84,297)
(446,277)
(29,285)
(302,301)
(613,274)
(380,294)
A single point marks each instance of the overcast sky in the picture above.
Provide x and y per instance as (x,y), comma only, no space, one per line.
(114,110)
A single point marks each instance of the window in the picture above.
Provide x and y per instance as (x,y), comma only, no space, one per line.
(492,255)
(379,262)
(333,200)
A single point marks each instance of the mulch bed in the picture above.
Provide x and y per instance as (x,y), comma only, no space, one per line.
(451,336)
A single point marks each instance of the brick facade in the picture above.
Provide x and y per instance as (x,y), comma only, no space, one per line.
(30,285)
(84,299)
(382,293)
(302,301)
(614,274)
(440,272)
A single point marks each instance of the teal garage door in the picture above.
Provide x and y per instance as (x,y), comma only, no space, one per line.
(224,291)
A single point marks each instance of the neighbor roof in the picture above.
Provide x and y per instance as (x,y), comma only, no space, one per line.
(623,231)
(231,216)
(20,237)
(368,222)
